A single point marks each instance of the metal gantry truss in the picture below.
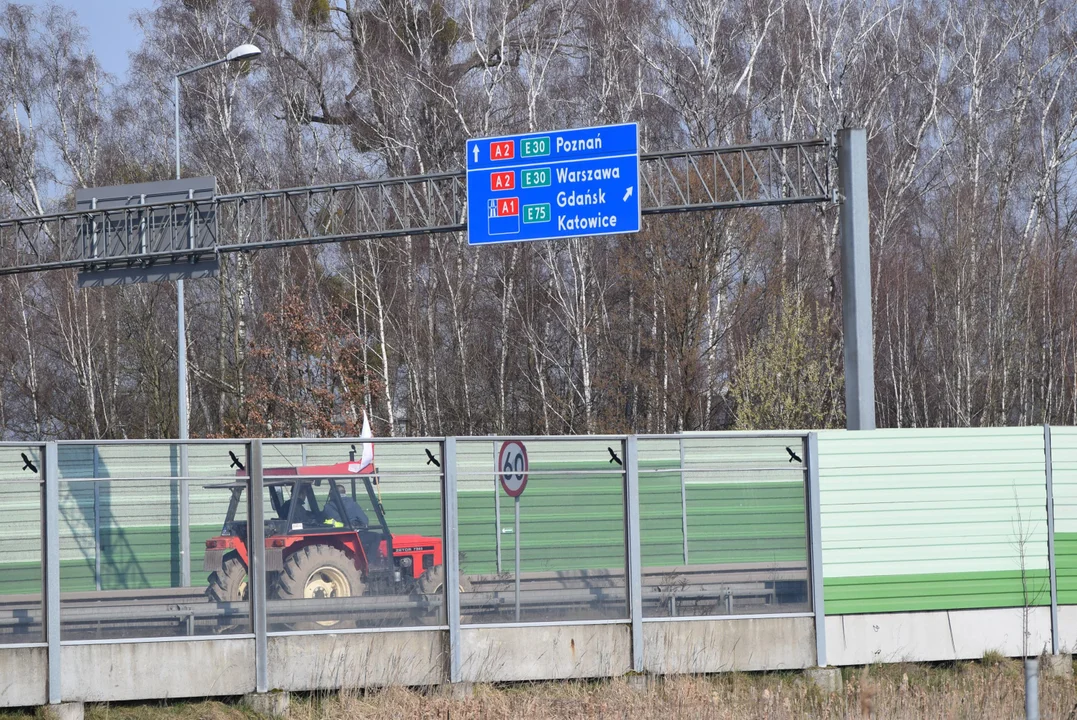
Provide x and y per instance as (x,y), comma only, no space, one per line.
(758,175)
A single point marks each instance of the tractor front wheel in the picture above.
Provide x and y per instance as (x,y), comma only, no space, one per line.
(319,572)
(433,580)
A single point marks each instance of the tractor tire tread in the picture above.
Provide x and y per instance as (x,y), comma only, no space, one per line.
(298,566)
(226,584)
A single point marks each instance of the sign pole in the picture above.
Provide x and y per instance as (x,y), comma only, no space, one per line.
(512,469)
(516,533)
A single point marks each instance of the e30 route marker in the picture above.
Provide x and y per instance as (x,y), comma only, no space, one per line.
(558,184)
(512,464)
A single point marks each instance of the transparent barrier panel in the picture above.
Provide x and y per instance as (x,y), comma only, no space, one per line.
(353,540)
(123,572)
(723,526)
(210,466)
(570,532)
(21,574)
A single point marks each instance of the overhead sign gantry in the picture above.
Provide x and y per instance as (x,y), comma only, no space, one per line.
(769,174)
(698,179)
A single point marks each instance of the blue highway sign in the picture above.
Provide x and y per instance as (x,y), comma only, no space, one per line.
(558,184)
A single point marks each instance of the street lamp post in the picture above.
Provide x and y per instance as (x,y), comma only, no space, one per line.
(242,52)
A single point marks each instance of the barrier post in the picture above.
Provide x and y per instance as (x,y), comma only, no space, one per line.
(635,569)
(816,537)
(452,554)
(256,571)
(1049,478)
(51,530)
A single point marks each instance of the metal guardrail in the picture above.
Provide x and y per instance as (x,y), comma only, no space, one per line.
(748,587)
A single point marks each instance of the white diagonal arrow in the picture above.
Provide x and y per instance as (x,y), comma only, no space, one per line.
(628,194)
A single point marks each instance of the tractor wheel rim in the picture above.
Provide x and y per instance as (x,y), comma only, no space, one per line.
(327,582)
(441,585)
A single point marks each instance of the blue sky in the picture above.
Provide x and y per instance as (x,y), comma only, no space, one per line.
(111,33)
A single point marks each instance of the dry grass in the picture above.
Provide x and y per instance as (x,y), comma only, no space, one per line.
(895,692)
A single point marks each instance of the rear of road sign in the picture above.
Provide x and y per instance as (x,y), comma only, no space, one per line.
(169,237)
(558,184)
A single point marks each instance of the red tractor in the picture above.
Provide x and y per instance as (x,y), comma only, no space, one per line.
(322,543)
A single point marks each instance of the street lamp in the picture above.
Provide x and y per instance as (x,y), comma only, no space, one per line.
(241,52)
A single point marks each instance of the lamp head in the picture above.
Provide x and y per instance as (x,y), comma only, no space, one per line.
(243,52)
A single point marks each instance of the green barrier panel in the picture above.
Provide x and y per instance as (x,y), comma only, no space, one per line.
(936,591)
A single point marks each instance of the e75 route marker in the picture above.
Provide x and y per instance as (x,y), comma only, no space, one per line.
(564,183)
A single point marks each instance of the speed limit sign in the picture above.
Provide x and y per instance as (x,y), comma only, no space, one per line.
(512,465)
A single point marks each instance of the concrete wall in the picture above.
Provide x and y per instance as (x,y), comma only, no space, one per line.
(708,646)
(136,671)
(1067,628)
(325,662)
(104,672)
(24,676)
(930,636)
(545,652)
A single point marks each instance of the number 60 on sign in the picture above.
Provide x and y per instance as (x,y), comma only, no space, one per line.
(512,467)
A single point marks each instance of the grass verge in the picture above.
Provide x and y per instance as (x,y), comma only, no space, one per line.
(967,690)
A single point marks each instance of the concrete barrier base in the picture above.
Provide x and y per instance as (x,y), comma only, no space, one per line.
(461,690)
(65,711)
(827,679)
(271,704)
(1058,665)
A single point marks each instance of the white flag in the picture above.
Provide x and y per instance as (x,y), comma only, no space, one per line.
(366,464)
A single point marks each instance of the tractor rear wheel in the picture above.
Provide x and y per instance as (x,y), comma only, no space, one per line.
(321,572)
(229,584)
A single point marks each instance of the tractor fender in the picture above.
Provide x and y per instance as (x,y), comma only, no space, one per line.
(218,547)
(213,560)
(346,542)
